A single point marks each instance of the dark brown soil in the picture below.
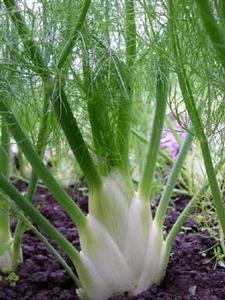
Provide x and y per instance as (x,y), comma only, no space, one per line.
(190,274)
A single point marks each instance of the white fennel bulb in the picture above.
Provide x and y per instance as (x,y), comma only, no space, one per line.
(124,253)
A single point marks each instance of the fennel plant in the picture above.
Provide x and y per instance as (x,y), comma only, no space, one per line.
(123,248)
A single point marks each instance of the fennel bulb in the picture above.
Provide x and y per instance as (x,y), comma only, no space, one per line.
(125,254)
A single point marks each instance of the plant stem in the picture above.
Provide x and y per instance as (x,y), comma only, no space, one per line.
(101,127)
(158,122)
(5,232)
(23,142)
(168,190)
(74,137)
(125,106)
(130,33)
(73,37)
(168,160)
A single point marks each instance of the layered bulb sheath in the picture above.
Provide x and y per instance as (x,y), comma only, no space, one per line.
(122,247)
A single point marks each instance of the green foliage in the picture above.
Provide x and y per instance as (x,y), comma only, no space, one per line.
(83,77)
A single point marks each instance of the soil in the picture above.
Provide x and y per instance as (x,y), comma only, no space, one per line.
(191,273)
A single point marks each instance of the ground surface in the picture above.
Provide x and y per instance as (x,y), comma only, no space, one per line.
(190,275)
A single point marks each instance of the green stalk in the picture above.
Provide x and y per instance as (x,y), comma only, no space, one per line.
(197,126)
(168,160)
(130,33)
(117,156)
(113,148)
(74,35)
(5,232)
(125,106)
(23,142)
(168,190)
(102,131)
(159,118)
(214,30)
(74,137)
(41,221)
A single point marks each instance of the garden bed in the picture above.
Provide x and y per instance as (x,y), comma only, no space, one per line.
(191,273)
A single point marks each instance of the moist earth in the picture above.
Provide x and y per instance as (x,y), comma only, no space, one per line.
(191,274)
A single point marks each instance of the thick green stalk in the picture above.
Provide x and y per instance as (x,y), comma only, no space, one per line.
(40,220)
(74,35)
(74,136)
(197,126)
(130,32)
(5,232)
(98,104)
(102,133)
(112,146)
(125,106)
(168,190)
(159,118)
(214,30)
(123,132)
(23,142)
